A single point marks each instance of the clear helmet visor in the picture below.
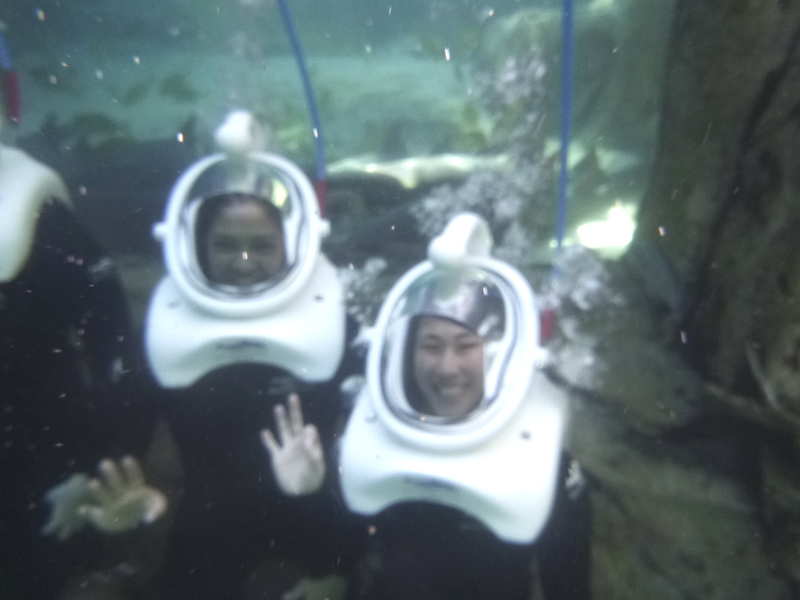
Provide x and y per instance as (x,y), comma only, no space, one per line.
(448,343)
(242,229)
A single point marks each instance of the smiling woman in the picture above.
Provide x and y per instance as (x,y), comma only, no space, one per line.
(239,240)
(447,366)
(454,450)
(447,348)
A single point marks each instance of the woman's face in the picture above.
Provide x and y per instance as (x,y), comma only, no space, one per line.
(244,246)
(448,366)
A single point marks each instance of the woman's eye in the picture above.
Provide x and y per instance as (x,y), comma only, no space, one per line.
(223,246)
(262,247)
(469,347)
(431,348)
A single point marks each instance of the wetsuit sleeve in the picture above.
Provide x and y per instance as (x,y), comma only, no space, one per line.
(83,328)
(64,397)
(564,548)
(338,532)
(120,387)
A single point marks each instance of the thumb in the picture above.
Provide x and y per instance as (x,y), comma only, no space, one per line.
(154,505)
(270,443)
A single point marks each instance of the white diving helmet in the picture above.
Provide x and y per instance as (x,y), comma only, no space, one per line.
(292,317)
(26,185)
(492,450)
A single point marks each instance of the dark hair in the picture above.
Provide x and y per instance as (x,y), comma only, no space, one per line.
(212,207)
(413,394)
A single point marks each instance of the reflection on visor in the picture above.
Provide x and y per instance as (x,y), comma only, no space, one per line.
(446,348)
(469,297)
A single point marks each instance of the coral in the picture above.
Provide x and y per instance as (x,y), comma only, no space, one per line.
(505,199)
(583,279)
(485,193)
(514,94)
(517,80)
(363,287)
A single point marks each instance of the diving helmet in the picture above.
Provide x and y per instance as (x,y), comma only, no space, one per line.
(26,185)
(246,280)
(456,408)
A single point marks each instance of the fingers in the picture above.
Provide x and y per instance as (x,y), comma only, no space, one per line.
(114,480)
(132,471)
(295,414)
(270,443)
(282,424)
(101,493)
(313,445)
(111,475)
(62,526)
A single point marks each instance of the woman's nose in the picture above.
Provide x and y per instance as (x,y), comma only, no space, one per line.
(449,361)
(244,262)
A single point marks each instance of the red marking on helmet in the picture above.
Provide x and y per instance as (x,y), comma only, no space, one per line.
(547,325)
(12,102)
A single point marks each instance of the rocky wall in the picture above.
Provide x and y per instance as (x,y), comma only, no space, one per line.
(675,479)
(722,206)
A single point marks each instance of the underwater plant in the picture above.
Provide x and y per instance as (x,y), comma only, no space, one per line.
(506,200)
(514,92)
(511,93)
(363,285)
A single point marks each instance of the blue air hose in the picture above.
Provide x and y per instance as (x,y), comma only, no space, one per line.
(5,55)
(567,63)
(547,317)
(291,32)
(11,96)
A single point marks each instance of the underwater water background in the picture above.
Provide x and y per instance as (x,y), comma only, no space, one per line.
(119,98)
(392,81)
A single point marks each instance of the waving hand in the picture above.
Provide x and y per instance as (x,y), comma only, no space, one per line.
(298,461)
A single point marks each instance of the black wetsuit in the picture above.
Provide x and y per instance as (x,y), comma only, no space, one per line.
(63,398)
(232,515)
(431,552)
